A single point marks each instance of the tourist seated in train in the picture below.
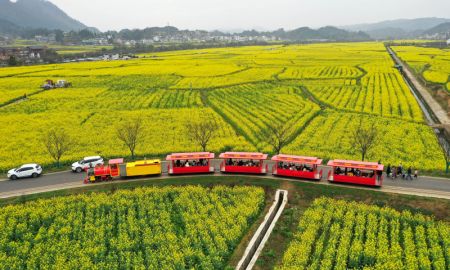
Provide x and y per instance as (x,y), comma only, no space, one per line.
(357,172)
(178,163)
(352,172)
(186,164)
(203,162)
(338,170)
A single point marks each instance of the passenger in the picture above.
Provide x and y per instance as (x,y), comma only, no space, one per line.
(241,162)
(280,165)
(186,164)
(178,163)
(338,170)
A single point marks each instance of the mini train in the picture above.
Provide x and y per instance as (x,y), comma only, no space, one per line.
(297,167)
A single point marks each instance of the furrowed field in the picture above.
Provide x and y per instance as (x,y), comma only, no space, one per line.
(347,235)
(129,229)
(323,91)
(432,63)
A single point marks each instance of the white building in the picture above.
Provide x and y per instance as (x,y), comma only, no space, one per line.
(448,41)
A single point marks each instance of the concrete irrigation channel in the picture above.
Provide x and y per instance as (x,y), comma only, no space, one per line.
(261,236)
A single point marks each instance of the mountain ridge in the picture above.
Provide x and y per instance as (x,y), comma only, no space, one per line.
(38,14)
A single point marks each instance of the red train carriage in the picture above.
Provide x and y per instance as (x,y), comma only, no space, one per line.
(356,172)
(104,172)
(190,163)
(241,162)
(297,166)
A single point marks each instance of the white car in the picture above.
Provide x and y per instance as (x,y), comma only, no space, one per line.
(26,170)
(87,162)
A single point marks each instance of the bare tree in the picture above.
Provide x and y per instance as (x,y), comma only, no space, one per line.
(279,136)
(364,138)
(57,142)
(446,148)
(202,131)
(130,133)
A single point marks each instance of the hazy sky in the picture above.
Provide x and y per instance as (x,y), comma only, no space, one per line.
(245,14)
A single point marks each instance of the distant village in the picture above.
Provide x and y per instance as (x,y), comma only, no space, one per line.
(44,52)
(9,51)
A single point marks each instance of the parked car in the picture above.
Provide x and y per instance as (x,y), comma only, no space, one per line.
(26,170)
(87,162)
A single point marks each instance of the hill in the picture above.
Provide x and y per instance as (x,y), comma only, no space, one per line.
(397,29)
(36,14)
(324,33)
(439,29)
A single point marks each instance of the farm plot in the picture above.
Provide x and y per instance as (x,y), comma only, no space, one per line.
(346,235)
(432,63)
(254,108)
(408,143)
(147,228)
(247,90)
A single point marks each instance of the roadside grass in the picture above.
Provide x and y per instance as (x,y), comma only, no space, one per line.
(301,195)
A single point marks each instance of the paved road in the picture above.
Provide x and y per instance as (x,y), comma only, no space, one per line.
(60,180)
(438,111)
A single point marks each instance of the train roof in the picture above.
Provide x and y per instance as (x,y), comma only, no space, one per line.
(243,155)
(356,164)
(116,161)
(300,159)
(143,162)
(198,155)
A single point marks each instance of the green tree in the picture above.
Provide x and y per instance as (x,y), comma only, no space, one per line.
(12,61)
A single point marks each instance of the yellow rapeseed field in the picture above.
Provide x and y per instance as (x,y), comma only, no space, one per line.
(432,63)
(321,90)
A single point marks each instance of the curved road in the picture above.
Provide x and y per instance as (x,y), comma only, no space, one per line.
(424,186)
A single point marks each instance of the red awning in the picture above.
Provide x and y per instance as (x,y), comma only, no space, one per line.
(356,164)
(243,155)
(116,161)
(297,159)
(183,156)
